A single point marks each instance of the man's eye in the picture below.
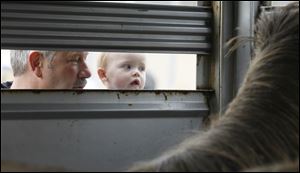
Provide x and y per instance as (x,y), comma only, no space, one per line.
(75,59)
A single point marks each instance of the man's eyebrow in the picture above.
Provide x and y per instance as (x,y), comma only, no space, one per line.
(84,55)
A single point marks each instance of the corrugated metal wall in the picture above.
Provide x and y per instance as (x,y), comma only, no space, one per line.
(99,26)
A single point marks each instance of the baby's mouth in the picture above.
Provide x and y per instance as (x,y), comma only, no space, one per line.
(135,82)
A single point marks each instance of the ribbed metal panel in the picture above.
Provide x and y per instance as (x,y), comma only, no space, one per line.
(99,26)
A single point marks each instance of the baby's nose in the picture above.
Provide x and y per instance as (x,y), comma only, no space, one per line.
(136,73)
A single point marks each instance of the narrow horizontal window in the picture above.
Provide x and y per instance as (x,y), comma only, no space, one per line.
(154,71)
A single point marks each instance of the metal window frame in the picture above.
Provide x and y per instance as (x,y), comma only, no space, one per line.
(228,72)
(11,13)
(101,104)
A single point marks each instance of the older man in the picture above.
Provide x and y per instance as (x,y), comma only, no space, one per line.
(48,70)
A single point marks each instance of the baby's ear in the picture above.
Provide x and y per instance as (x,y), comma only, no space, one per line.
(102,75)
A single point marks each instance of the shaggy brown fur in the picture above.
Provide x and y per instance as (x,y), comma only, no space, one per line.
(261,125)
(288,166)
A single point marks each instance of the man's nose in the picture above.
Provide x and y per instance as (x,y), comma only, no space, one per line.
(84,72)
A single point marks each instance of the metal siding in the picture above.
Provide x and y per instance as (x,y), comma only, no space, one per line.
(99,26)
(95,130)
(67,104)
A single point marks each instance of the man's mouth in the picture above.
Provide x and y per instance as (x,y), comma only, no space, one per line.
(78,87)
(80,84)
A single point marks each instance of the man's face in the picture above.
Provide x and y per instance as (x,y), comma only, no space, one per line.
(67,70)
(126,71)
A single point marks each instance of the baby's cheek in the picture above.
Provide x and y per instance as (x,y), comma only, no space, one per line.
(121,83)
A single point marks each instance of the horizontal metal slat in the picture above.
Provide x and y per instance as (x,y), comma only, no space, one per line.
(89,4)
(114,45)
(100,26)
(99,19)
(105,48)
(97,102)
(109,28)
(107,11)
(106,36)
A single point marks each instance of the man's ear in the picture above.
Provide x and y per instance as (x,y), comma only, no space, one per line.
(36,63)
(102,75)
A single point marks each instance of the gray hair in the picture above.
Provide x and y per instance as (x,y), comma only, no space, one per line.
(19,60)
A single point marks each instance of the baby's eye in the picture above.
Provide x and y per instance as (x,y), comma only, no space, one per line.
(127,66)
(142,68)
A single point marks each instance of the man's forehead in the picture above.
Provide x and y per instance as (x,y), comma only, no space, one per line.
(67,54)
(75,53)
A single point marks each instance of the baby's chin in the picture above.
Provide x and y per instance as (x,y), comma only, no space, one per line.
(133,87)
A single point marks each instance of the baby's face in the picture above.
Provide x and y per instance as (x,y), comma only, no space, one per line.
(126,71)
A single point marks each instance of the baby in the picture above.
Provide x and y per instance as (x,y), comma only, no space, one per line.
(125,71)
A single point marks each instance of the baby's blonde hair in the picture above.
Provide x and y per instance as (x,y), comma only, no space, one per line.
(102,61)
